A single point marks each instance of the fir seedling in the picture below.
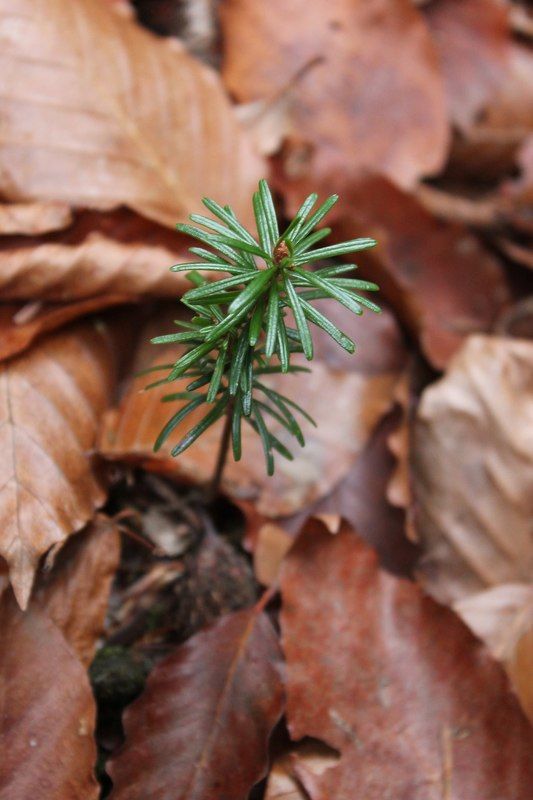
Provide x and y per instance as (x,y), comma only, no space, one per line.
(248,325)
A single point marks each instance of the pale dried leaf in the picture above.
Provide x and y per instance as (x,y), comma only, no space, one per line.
(473,470)
(99,112)
(50,400)
(32,219)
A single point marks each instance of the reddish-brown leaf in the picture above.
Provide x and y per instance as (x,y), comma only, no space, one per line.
(346,107)
(20,325)
(50,400)
(200,729)
(396,683)
(347,396)
(474,43)
(75,593)
(439,277)
(99,112)
(48,711)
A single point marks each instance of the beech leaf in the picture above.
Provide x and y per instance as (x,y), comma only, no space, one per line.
(99,112)
(50,401)
(200,729)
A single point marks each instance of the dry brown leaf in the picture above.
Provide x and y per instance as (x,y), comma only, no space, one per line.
(283,783)
(473,470)
(345,108)
(394,682)
(20,326)
(474,44)
(99,265)
(200,730)
(438,276)
(48,712)
(347,395)
(75,592)
(51,401)
(99,112)
(33,219)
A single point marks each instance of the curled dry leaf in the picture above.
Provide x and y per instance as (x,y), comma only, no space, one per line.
(33,219)
(473,470)
(438,276)
(360,75)
(75,592)
(51,400)
(393,681)
(200,730)
(283,783)
(474,43)
(20,325)
(84,86)
(48,711)
(346,395)
(98,265)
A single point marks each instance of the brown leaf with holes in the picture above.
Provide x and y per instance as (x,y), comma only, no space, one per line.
(48,711)
(75,593)
(51,400)
(473,39)
(98,112)
(200,729)
(346,395)
(394,682)
(442,281)
(33,219)
(472,469)
(346,106)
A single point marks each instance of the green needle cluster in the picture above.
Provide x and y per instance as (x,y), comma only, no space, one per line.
(248,324)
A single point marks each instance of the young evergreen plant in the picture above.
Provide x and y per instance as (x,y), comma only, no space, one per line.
(249,325)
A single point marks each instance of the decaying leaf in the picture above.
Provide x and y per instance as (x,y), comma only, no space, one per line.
(20,325)
(48,711)
(346,395)
(473,470)
(200,729)
(396,683)
(99,265)
(33,219)
(438,276)
(75,593)
(346,106)
(99,112)
(474,44)
(50,400)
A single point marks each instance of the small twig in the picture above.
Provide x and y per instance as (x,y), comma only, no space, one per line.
(213,487)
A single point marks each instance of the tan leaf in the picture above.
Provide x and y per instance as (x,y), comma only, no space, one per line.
(200,729)
(345,108)
(75,593)
(99,265)
(394,682)
(32,219)
(474,43)
(347,396)
(473,470)
(283,783)
(50,400)
(99,112)
(48,712)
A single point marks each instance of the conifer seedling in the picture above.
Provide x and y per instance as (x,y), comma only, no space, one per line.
(248,325)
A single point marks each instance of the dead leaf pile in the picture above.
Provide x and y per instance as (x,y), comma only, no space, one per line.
(361,624)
